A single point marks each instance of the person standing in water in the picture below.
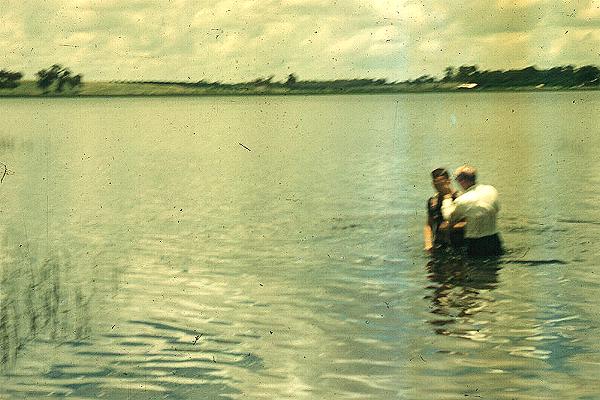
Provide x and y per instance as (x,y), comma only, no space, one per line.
(479,206)
(437,232)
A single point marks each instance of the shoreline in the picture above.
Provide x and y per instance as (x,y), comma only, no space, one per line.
(116,89)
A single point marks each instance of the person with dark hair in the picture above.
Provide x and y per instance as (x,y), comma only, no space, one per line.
(438,234)
(479,206)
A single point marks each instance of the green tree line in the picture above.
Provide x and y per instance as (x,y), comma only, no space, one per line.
(54,78)
(9,79)
(57,77)
(291,82)
(563,76)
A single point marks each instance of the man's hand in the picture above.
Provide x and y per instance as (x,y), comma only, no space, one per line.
(459,225)
(443,226)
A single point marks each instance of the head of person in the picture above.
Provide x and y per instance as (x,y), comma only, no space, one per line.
(466,176)
(440,179)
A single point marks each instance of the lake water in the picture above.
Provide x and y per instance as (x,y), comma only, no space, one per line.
(271,248)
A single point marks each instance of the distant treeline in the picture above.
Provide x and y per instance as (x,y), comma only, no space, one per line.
(9,79)
(57,78)
(564,76)
(291,82)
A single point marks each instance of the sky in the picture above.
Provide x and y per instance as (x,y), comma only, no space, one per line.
(234,41)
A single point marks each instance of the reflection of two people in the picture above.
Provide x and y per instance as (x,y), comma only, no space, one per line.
(459,291)
(461,224)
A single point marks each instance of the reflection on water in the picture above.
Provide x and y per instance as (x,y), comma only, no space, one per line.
(47,302)
(460,290)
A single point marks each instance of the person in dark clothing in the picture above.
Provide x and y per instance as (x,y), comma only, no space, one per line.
(439,234)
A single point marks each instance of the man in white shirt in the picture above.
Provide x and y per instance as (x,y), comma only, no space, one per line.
(479,206)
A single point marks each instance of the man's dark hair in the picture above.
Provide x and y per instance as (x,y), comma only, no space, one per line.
(436,173)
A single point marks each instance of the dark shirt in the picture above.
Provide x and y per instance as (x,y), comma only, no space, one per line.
(434,210)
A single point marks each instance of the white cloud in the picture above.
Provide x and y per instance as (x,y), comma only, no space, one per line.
(241,40)
(591,12)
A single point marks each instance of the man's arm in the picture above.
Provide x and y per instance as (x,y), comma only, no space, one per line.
(428,235)
(452,211)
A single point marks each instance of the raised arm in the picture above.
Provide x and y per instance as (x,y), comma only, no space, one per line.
(448,207)
(452,211)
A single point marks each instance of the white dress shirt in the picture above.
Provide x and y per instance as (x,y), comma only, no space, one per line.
(479,206)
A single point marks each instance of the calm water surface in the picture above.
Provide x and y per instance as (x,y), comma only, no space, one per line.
(261,248)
